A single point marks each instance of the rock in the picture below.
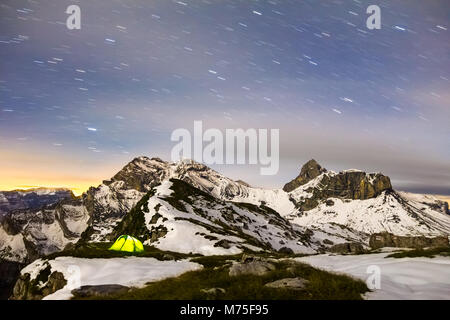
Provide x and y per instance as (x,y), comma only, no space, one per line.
(385,239)
(10,226)
(223,244)
(9,273)
(214,291)
(327,241)
(55,282)
(20,290)
(444,208)
(286,250)
(167,256)
(246,258)
(345,248)
(350,184)
(309,171)
(99,291)
(27,289)
(288,283)
(255,267)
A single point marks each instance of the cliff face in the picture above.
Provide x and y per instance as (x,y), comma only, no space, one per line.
(350,184)
(385,239)
(355,185)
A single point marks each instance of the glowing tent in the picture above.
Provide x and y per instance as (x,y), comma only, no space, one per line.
(128,244)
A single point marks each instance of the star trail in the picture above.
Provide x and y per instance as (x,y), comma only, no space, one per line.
(76,105)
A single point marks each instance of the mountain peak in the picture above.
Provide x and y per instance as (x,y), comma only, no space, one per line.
(141,173)
(309,171)
(312,166)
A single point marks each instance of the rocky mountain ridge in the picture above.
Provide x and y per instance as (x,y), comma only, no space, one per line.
(318,209)
(31,198)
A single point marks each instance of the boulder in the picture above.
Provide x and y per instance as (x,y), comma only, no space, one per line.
(167,256)
(214,291)
(254,267)
(385,239)
(99,291)
(224,243)
(288,283)
(286,250)
(347,248)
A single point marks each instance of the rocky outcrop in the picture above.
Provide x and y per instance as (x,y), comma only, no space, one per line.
(43,231)
(354,185)
(141,174)
(385,239)
(36,289)
(309,171)
(9,272)
(350,184)
(100,291)
(251,265)
(444,208)
(285,250)
(347,248)
(288,283)
(134,221)
(214,291)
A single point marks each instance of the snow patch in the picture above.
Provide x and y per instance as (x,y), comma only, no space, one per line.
(130,271)
(401,279)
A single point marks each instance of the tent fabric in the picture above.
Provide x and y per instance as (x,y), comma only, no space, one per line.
(128,244)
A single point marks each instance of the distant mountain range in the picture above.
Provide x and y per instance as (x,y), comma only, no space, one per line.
(187,207)
(31,198)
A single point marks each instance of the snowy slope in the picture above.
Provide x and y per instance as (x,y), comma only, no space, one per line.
(401,279)
(398,213)
(12,247)
(202,224)
(387,212)
(130,272)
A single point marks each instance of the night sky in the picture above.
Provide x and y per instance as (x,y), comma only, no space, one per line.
(77,105)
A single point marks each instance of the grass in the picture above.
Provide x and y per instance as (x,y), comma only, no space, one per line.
(429,253)
(100,250)
(322,285)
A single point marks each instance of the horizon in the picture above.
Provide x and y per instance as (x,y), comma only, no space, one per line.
(75,105)
(79,190)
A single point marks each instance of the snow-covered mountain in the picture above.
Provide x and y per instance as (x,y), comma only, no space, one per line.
(188,207)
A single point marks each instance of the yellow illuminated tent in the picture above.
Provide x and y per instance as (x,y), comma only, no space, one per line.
(128,244)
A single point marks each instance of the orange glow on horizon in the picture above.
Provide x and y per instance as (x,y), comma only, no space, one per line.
(77,187)
(35,168)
